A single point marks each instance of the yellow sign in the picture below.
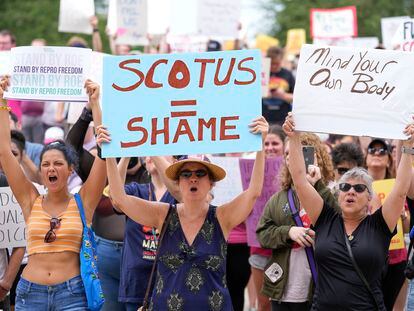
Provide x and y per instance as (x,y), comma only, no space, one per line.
(295,39)
(264,42)
(382,188)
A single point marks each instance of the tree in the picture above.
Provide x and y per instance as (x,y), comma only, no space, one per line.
(289,14)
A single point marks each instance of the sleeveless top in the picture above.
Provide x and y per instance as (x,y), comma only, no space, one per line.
(68,235)
(192,276)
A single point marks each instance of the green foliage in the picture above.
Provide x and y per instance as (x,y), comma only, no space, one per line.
(29,19)
(289,14)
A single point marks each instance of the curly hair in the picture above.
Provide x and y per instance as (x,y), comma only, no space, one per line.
(322,157)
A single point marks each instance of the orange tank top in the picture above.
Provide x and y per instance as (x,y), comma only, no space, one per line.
(68,234)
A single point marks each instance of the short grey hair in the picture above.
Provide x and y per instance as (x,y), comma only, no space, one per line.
(358,173)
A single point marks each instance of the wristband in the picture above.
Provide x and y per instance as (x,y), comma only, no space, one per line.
(99,153)
(407,150)
(95,30)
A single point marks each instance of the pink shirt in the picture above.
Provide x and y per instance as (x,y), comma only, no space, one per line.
(238,235)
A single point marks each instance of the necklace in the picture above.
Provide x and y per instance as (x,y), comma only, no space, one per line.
(350,237)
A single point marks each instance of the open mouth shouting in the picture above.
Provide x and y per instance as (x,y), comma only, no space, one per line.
(193,189)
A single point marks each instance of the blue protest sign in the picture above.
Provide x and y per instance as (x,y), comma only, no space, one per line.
(181,103)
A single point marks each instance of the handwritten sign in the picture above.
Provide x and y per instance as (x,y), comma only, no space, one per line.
(265,76)
(404,36)
(181,103)
(132,21)
(353,91)
(334,23)
(383,188)
(389,26)
(74,16)
(270,187)
(49,73)
(294,41)
(4,63)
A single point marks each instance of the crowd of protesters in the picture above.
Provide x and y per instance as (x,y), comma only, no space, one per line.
(305,261)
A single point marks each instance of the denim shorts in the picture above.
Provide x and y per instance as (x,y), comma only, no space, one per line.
(67,296)
(258,261)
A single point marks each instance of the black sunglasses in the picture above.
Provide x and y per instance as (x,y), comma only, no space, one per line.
(342,170)
(345,187)
(381,151)
(50,236)
(188,173)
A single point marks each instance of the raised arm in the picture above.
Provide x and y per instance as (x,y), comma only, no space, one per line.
(394,202)
(236,211)
(96,36)
(22,188)
(161,164)
(309,198)
(92,189)
(149,213)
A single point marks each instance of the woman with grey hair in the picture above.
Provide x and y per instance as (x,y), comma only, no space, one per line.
(351,246)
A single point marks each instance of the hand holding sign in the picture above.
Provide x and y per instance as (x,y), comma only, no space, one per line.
(289,126)
(4,84)
(260,125)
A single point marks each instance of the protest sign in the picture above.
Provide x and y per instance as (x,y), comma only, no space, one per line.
(74,16)
(389,26)
(334,23)
(350,91)
(265,76)
(347,41)
(181,103)
(111,24)
(131,21)
(294,41)
(365,42)
(404,36)
(264,42)
(383,188)
(5,63)
(47,73)
(186,43)
(227,189)
(270,187)
(158,16)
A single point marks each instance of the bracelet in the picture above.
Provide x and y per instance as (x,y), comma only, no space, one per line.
(95,30)
(407,150)
(5,108)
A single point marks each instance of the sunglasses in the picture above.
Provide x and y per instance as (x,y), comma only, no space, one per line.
(188,173)
(342,170)
(51,235)
(380,151)
(345,187)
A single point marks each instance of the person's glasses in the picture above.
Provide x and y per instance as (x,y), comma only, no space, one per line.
(345,187)
(342,170)
(380,151)
(188,173)
(51,235)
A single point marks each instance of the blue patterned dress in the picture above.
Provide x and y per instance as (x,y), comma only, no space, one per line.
(192,277)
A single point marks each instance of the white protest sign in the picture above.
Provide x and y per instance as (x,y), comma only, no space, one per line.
(12,225)
(265,76)
(365,42)
(348,41)
(111,24)
(219,18)
(231,186)
(389,26)
(158,16)
(5,63)
(74,16)
(49,73)
(334,23)
(131,18)
(361,92)
(404,36)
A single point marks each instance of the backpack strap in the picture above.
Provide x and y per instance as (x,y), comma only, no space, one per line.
(80,207)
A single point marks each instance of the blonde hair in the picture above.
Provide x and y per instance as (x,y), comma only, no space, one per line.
(322,157)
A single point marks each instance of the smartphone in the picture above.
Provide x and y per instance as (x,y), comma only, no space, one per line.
(308,155)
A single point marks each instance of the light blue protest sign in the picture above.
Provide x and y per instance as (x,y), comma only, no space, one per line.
(181,103)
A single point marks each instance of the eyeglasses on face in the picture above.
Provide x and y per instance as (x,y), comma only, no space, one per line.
(198,173)
(342,170)
(345,187)
(51,235)
(380,151)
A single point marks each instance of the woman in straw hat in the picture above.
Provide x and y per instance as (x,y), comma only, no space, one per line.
(192,258)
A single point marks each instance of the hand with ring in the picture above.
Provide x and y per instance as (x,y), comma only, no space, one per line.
(303,236)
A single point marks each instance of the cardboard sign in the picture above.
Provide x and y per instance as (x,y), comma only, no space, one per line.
(265,76)
(231,186)
(270,187)
(295,39)
(74,16)
(383,188)
(403,39)
(353,91)
(181,103)
(47,73)
(5,63)
(389,26)
(334,23)
(131,21)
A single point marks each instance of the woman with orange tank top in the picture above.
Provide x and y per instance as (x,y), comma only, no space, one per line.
(51,279)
